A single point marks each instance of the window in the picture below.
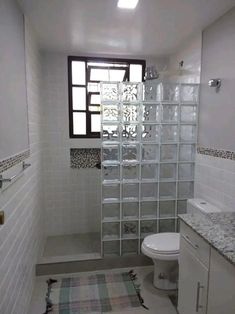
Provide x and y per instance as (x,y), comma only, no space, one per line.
(85,74)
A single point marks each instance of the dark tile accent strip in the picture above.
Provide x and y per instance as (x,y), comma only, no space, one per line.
(84,157)
(13,160)
(226,154)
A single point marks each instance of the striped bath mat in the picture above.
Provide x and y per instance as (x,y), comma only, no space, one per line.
(97,293)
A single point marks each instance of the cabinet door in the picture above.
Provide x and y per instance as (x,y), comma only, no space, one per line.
(193,281)
(221,297)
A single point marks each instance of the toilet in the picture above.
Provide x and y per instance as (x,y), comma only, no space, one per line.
(163,248)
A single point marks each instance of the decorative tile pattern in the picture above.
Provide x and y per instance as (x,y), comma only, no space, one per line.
(14,160)
(84,157)
(226,154)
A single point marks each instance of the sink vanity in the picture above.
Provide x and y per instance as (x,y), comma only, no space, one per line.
(207,263)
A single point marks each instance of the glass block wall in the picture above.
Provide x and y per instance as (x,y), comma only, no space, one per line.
(148,149)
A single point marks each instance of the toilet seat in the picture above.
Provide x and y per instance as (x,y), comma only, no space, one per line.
(163,246)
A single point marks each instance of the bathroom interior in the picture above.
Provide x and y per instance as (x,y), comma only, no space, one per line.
(117,175)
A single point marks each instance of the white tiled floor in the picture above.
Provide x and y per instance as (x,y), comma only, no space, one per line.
(156,300)
(71,247)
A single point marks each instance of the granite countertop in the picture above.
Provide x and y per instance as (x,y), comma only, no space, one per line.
(218,229)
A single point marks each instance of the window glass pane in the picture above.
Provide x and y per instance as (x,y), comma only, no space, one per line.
(79,98)
(135,73)
(94,108)
(78,72)
(79,123)
(93,87)
(104,64)
(99,75)
(95,99)
(116,75)
(95,123)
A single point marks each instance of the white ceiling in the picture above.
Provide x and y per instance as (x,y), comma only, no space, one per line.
(155,28)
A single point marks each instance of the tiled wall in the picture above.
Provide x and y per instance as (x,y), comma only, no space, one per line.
(21,237)
(215,181)
(72,196)
(190,53)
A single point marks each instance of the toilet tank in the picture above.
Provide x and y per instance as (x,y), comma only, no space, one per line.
(197,205)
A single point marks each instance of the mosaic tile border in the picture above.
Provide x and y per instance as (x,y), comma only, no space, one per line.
(84,157)
(225,154)
(14,160)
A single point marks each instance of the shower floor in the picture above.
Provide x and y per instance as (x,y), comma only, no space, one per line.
(74,247)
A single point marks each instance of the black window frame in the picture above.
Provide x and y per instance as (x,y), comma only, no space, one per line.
(125,62)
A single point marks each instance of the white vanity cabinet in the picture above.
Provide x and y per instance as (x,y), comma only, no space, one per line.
(221,295)
(193,272)
(206,278)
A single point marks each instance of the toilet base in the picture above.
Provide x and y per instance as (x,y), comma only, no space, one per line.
(165,274)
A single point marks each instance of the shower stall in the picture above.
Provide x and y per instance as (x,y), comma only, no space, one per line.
(148,148)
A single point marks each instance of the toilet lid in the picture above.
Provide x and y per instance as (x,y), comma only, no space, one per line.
(166,243)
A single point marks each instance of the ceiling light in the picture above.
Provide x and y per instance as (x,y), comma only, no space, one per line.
(127,4)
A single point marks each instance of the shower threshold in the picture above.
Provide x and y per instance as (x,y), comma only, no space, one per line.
(68,248)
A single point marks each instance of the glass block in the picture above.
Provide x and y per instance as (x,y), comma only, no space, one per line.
(150,152)
(111,230)
(185,190)
(168,92)
(111,153)
(111,172)
(148,209)
(129,247)
(110,132)
(130,172)
(167,225)
(187,133)
(109,91)
(111,248)
(188,114)
(130,113)
(167,190)
(149,190)
(170,113)
(168,152)
(167,172)
(150,133)
(130,191)
(186,171)
(111,192)
(111,212)
(151,112)
(110,113)
(181,207)
(150,91)
(167,209)
(129,229)
(130,153)
(148,227)
(189,93)
(149,172)
(187,152)
(169,133)
(130,210)
(131,92)
(130,133)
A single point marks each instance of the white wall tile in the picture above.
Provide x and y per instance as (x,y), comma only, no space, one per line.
(72,196)
(215,181)
(21,237)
